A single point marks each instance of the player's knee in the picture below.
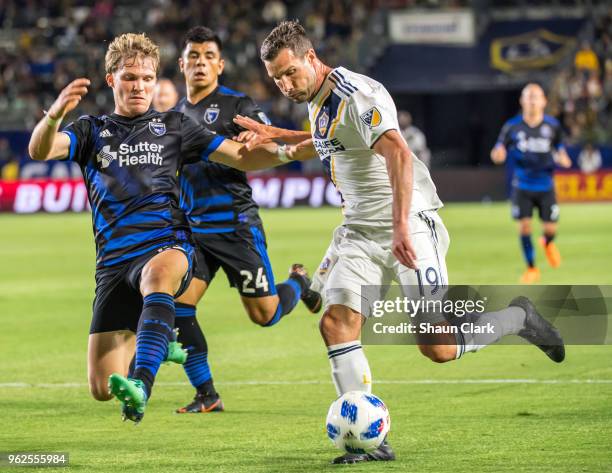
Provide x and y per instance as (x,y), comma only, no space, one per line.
(328,324)
(155,277)
(260,315)
(525,228)
(439,353)
(337,323)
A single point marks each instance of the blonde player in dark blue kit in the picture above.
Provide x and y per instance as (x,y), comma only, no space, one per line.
(532,140)
(130,160)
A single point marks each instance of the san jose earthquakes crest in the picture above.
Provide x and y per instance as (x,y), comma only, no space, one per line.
(546,131)
(157,128)
(210,115)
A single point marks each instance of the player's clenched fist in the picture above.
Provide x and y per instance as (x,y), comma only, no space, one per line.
(68,98)
(498,154)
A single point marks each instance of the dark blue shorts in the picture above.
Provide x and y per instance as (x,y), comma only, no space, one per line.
(242,254)
(523,203)
(118,302)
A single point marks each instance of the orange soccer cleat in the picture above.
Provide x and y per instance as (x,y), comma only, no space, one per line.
(552,253)
(530,276)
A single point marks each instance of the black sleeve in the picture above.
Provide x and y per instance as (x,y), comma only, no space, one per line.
(558,137)
(81,140)
(504,135)
(248,108)
(197,143)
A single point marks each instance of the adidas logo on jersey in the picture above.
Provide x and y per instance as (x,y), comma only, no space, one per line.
(105,134)
(131,155)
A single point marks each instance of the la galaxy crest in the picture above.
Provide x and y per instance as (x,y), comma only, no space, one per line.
(157,128)
(322,123)
(211,114)
(372,118)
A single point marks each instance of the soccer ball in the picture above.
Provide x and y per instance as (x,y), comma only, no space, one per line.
(358,422)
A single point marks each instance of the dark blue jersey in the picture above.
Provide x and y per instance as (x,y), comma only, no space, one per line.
(130,166)
(215,197)
(531,151)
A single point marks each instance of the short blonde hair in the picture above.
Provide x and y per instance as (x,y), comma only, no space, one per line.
(130,46)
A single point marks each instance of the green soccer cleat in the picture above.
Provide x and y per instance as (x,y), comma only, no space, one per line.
(132,395)
(176,353)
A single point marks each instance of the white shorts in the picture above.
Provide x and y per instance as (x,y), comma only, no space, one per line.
(359,264)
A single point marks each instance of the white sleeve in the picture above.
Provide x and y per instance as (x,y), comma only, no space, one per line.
(373,112)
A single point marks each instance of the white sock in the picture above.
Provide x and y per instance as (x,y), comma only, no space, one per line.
(350,368)
(508,321)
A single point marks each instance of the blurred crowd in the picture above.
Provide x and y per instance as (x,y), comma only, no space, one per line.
(46,43)
(581,95)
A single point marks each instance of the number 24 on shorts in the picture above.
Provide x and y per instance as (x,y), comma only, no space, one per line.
(261,281)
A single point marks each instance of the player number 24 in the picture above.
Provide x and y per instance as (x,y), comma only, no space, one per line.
(261,281)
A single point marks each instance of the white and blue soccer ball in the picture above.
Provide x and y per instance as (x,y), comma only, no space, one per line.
(358,422)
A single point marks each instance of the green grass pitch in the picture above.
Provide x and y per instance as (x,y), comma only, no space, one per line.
(275,382)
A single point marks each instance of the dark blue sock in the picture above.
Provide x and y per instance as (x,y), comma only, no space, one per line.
(132,367)
(193,340)
(548,238)
(527,250)
(289,293)
(154,332)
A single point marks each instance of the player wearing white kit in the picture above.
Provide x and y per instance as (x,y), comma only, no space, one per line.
(391,230)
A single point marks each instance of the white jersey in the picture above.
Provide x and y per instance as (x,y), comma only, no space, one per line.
(347,116)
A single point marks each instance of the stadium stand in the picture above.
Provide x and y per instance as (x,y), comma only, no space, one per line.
(474,86)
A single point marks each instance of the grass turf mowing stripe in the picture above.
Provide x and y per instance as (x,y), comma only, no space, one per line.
(310,382)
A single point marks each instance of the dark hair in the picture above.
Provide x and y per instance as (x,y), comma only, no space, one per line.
(288,34)
(201,34)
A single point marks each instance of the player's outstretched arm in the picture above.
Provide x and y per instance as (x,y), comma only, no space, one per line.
(399,166)
(46,143)
(237,155)
(498,154)
(258,133)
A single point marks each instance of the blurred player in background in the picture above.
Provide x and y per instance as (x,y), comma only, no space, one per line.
(130,161)
(533,141)
(224,219)
(391,230)
(165,96)
(414,137)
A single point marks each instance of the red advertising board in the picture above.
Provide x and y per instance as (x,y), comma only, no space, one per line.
(43,195)
(70,195)
(51,195)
